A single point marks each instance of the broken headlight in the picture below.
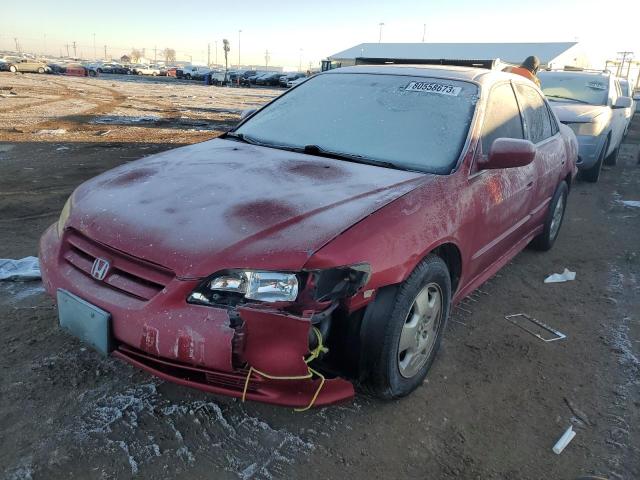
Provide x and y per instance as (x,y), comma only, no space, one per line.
(249,284)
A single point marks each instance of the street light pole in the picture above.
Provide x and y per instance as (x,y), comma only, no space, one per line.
(95,55)
(424,31)
(216,42)
(381,24)
(300,62)
(239,32)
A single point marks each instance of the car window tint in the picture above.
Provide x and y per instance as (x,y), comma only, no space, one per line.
(502,117)
(536,116)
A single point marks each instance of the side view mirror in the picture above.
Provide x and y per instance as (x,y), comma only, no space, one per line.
(623,102)
(248,112)
(509,153)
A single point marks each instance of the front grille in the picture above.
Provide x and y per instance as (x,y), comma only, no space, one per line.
(132,276)
(228,381)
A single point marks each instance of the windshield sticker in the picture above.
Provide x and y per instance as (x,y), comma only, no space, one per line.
(440,88)
(597,85)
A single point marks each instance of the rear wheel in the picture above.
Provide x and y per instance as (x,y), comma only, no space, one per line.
(401,347)
(188,76)
(553,222)
(593,174)
(13,69)
(40,70)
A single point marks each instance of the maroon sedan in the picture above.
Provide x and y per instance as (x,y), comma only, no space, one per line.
(323,242)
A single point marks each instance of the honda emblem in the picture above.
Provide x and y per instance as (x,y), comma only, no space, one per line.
(100,268)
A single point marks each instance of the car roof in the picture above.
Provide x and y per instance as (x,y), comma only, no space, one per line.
(472,74)
(578,73)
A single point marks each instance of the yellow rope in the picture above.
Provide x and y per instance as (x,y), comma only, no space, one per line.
(315,353)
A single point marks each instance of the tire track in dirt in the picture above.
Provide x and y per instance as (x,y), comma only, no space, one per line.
(65,95)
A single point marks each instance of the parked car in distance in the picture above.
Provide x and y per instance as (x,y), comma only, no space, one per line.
(284,79)
(26,65)
(195,72)
(296,81)
(113,68)
(153,70)
(4,65)
(174,72)
(592,105)
(246,255)
(78,70)
(269,79)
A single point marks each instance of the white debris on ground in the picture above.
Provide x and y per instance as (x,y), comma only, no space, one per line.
(565,276)
(57,131)
(27,268)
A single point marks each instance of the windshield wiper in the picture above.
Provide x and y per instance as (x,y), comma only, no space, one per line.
(349,157)
(317,151)
(567,98)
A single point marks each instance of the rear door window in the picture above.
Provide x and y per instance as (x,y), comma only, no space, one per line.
(537,121)
(502,118)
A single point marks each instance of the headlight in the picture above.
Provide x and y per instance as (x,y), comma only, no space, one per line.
(252,285)
(64,216)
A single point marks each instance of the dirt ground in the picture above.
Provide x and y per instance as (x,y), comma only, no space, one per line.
(492,407)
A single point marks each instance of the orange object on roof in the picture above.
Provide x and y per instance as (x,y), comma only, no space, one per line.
(524,73)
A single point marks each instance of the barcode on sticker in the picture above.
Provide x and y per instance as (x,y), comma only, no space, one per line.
(440,88)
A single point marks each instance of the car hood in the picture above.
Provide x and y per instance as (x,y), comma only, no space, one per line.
(574,112)
(224,204)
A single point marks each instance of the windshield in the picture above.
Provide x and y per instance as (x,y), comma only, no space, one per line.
(414,123)
(581,88)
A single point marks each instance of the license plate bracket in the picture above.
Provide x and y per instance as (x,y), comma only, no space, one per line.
(85,321)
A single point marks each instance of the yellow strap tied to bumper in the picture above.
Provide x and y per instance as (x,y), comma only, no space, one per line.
(315,353)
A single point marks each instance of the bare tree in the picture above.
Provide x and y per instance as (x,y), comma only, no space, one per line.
(227,49)
(135,55)
(169,55)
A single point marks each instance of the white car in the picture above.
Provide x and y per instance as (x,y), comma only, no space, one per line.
(296,81)
(194,72)
(593,106)
(148,70)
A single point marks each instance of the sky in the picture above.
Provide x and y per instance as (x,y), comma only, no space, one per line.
(303,32)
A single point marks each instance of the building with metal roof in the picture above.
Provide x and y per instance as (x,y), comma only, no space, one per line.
(555,54)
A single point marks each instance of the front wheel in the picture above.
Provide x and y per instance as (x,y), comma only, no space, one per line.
(612,160)
(402,346)
(554,218)
(13,69)
(592,174)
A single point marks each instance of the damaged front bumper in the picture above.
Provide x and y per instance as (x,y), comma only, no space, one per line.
(193,345)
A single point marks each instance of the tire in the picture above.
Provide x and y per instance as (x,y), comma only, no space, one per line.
(154,74)
(612,160)
(92,73)
(40,70)
(401,331)
(188,76)
(553,221)
(139,73)
(593,174)
(13,69)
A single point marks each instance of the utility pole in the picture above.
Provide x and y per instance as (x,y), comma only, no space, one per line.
(75,55)
(155,54)
(44,50)
(17,46)
(300,61)
(266,60)
(424,31)
(67,45)
(208,55)
(624,58)
(216,42)
(381,24)
(95,53)
(239,32)
(105,52)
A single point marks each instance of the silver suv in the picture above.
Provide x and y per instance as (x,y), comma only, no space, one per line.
(593,106)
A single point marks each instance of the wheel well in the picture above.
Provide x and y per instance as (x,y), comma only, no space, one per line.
(450,254)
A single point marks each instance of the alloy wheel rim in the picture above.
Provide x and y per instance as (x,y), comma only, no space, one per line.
(557,217)
(419,331)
